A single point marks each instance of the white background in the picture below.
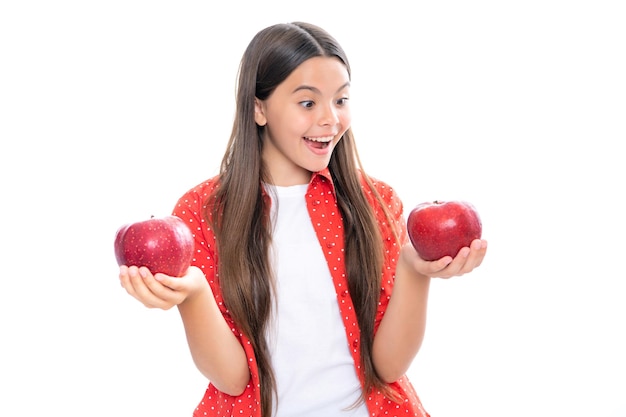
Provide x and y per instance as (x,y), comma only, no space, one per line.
(109,111)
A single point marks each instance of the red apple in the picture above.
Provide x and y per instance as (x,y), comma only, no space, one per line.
(441,228)
(162,244)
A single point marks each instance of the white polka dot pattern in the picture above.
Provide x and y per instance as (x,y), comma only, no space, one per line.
(328,226)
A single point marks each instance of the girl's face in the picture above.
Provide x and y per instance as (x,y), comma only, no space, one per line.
(304,119)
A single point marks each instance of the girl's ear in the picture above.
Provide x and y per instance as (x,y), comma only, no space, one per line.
(259,112)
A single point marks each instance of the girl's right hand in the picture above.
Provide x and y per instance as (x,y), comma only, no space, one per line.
(160,290)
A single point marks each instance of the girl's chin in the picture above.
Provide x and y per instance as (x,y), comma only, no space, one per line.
(318,166)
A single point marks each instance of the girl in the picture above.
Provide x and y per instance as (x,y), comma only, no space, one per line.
(304,297)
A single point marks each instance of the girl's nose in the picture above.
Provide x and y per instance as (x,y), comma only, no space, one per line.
(328,116)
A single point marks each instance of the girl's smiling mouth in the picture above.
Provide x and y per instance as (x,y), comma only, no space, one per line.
(320,142)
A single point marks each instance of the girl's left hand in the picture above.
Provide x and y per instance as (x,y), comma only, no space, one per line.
(465,261)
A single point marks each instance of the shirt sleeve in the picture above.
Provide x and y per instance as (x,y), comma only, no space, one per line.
(394,234)
(191,208)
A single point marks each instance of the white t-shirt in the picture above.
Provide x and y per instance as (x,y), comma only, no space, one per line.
(314,369)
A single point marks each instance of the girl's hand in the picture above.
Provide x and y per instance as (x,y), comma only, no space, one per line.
(465,261)
(160,290)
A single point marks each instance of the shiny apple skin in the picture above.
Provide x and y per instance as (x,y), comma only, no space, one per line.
(162,244)
(441,228)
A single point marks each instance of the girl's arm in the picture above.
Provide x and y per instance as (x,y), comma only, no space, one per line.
(215,350)
(402,328)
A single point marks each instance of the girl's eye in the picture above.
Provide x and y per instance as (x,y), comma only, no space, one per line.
(306,104)
(342,101)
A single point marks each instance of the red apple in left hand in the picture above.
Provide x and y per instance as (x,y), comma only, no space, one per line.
(162,244)
(441,228)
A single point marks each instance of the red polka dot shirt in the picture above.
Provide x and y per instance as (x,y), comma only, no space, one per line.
(328,225)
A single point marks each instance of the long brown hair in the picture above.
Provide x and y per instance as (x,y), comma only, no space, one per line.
(240,216)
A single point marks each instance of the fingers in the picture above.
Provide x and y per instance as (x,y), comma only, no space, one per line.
(478,252)
(465,261)
(143,286)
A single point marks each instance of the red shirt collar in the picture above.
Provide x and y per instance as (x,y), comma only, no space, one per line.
(323,176)
(319,176)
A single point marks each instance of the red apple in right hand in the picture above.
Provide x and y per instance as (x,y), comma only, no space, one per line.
(162,244)
(441,228)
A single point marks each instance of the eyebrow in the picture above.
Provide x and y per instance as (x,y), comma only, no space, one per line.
(316,90)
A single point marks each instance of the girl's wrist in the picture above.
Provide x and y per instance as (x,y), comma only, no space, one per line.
(408,263)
